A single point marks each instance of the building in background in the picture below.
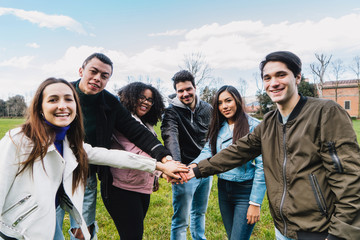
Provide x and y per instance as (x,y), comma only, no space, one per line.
(347,95)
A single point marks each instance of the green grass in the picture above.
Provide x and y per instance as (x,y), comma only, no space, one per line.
(158,219)
(9,123)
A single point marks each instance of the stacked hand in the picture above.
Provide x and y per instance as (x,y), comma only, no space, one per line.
(174,171)
(191,173)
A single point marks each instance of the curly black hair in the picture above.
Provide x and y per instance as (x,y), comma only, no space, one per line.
(130,94)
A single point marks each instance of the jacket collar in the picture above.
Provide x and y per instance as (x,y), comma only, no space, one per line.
(69,158)
(225,132)
(149,126)
(295,112)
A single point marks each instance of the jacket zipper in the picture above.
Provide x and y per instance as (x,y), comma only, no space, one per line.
(24,216)
(335,157)
(284,181)
(318,195)
(17,204)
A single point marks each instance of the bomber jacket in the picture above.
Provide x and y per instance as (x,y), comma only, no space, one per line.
(183,130)
(132,179)
(311,167)
(112,115)
(250,170)
(27,200)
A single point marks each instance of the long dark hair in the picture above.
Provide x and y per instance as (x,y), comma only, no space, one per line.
(241,127)
(130,94)
(42,135)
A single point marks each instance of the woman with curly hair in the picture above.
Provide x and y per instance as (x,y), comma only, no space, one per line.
(129,195)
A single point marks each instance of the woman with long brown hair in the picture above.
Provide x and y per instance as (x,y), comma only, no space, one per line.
(240,190)
(44,164)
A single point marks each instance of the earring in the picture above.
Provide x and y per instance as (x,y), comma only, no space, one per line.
(42,114)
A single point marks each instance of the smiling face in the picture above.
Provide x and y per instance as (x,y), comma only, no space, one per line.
(186,93)
(144,103)
(227,106)
(280,83)
(94,76)
(58,104)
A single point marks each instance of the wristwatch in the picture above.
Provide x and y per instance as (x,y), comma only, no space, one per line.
(168,158)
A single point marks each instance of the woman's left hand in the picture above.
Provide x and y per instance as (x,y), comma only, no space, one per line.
(253,214)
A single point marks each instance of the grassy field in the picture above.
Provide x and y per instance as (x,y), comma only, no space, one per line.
(6,124)
(158,219)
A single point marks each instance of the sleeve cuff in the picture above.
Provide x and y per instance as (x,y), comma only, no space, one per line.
(159,151)
(254,203)
(197,172)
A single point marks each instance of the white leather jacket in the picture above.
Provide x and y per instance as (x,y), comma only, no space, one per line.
(27,200)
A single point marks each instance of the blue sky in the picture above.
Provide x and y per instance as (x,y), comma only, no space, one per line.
(40,39)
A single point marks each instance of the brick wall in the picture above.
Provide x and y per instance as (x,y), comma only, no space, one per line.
(348,95)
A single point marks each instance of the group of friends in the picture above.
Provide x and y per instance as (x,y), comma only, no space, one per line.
(304,155)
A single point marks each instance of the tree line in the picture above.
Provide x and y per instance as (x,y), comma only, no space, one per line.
(14,107)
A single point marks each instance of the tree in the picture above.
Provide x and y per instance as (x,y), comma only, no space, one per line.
(243,85)
(319,69)
(2,108)
(306,89)
(157,83)
(207,94)
(355,67)
(260,91)
(265,102)
(199,68)
(259,82)
(16,106)
(337,69)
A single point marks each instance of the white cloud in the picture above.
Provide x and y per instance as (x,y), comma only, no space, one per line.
(239,44)
(33,45)
(178,32)
(45,20)
(237,47)
(18,62)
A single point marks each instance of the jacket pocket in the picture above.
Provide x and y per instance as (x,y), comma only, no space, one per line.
(19,211)
(335,158)
(19,203)
(24,215)
(320,200)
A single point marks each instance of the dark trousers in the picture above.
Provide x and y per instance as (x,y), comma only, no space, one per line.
(128,210)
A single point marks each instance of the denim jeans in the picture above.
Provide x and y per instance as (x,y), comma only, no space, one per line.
(234,203)
(89,208)
(190,198)
(279,236)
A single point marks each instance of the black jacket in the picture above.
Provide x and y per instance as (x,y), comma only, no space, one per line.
(111,114)
(183,131)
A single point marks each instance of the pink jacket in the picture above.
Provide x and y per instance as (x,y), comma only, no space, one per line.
(128,179)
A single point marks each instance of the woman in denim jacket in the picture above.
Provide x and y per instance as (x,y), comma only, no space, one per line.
(240,190)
